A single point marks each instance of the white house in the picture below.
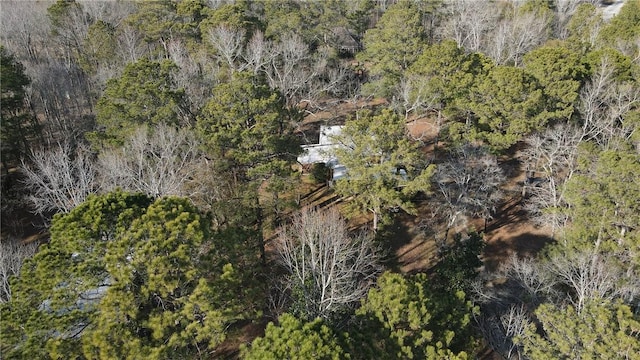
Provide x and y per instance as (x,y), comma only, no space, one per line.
(324,151)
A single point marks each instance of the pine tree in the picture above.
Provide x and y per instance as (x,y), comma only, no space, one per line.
(384,167)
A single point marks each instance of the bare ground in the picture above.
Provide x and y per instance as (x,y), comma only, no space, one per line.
(413,250)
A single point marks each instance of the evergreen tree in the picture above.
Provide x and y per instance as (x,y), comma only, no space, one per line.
(445,75)
(124,277)
(600,331)
(407,318)
(507,104)
(384,167)
(296,340)
(604,199)
(247,124)
(17,126)
(393,45)
(560,72)
(145,94)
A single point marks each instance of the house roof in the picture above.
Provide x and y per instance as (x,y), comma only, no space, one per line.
(324,150)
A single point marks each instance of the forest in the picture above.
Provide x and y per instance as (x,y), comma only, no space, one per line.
(155,205)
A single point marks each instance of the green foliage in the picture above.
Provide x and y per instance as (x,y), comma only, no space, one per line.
(622,66)
(14,81)
(376,146)
(60,12)
(393,45)
(604,199)
(191,13)
(623,30)
(320,173)
(162,21)
(459,263)
(560,72)
(145,94)
(247,124)
(584,26)
(16,126)
(163,300)
(155,20)
(446,75)
(284,17)
(125,278)
(233,16)
(315,21)
(407,318)
(296,340)
(600,331)
(508,104)
(46,299)
(99,46)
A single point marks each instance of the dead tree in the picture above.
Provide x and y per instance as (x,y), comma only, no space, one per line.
(59,179)
(329,271)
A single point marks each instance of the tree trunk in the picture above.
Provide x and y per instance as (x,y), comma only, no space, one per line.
(375,221)
(263,252)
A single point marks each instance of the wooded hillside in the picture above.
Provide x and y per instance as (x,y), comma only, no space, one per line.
(154,204)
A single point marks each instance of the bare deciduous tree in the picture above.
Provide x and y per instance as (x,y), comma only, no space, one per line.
(414,96)
(568,275)
(112,12)
(550,163)
(158,162)
(228,43)
(25,29)
(516,36)
(500,330)
(469,185)
(291,68)
(191,77)
(329,270)
(564,9)
(604,102)
(59,179)
(516,289)
(470,23)
(258,52)
(12,255)
(62,95)
(590,274)
(130,44)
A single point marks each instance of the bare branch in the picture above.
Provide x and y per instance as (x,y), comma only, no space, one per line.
(59,179)
(156,162)
(469,184)
(550,162)
(329,271)
(12,255)
(228,44)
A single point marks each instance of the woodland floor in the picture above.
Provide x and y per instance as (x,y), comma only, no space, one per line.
(510,232)
(411,249)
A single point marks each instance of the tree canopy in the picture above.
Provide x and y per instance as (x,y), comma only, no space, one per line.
(145,94)
(384,166)
(247,124)
(507,104)
(17,125)
(296,339)
(394,44)
(406,318)
(124,276)
(600,331)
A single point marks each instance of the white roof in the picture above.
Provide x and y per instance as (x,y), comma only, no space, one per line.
(324,151)
(327,133)
(317,154)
